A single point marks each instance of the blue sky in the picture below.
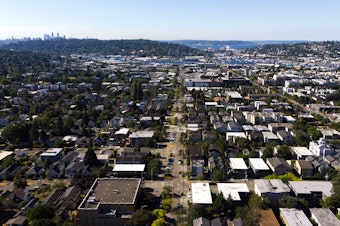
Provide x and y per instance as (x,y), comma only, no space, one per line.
(173,19)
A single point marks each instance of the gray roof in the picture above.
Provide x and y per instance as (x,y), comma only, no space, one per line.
(271,186)
(111,191)
(307,187)
(324,217)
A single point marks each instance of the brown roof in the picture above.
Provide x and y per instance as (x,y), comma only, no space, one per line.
(304,164)
(268,218)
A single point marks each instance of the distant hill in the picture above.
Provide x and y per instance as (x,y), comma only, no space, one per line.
(233,44)
(139,47)
(330,49)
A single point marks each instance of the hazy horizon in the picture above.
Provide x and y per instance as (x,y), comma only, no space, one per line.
(216,20)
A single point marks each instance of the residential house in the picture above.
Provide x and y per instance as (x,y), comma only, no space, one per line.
(209,136)
(130,158)
(201,221)
(195,136)
(285,137)
(313,191)
(259,167)
(71,197)
(10,172)
(278,165)
(275,127)
(330,134)
(301,152)
(196,167)
(324,217)
(320,148)
(269,137)
(273,189)
(53,197)
(17,221)
(35,172)
(217,163)
(303,167)
(238,168)
(234,127)
(74,168)
(292,217)
(56,170)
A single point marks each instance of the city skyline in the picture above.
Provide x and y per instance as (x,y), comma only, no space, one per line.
(172,20)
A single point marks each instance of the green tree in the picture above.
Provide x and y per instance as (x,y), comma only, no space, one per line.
(301,138)
(217,175)
(293,202)
(159,213)
(285,177)
(141,217)
(220,205)
(284,152)
(40,212)
(20,182)
(43,222)
(313,133)
(159,222)
(90,158)
(166,203)
(242,143)
(195,211)
(47,163)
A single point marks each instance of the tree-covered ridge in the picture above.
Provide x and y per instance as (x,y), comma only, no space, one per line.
(140,47)
(329,49)
(17,63)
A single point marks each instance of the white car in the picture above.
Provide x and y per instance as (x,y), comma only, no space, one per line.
(189,195)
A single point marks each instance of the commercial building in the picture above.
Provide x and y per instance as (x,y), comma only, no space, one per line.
(140,137)
(311,189)
(54,154)
(110,201)
(201,193)
(128,170)
(234,191)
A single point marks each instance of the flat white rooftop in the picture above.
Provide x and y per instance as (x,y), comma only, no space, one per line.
(294,217)
(4,154)
(269,135)
(52,152)
(258,164)
(238,164)
(122,131)
(235,134)
(307,187)
(302,151)
(275,186)
(142,134)
(128,168)
(201,193)
(232,190)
